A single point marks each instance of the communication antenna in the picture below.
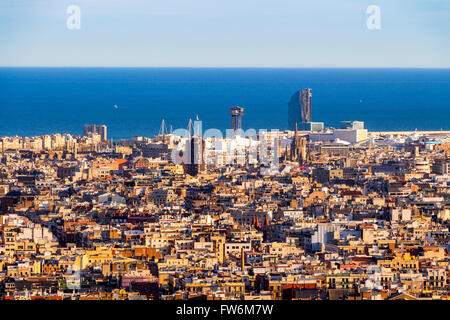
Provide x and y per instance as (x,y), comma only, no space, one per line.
(163,128)
(190,127)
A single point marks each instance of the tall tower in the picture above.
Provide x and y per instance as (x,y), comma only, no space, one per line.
(163,131)
(299,108)
(305,105)
(195,148)
(236,117)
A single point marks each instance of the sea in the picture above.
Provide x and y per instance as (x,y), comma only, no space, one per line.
(134,101)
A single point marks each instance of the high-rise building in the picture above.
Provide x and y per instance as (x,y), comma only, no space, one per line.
(195,148)
(299,108)
(89,129)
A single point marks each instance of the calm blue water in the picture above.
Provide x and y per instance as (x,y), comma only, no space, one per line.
(36,101)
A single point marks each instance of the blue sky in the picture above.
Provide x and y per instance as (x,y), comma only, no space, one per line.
(231,33)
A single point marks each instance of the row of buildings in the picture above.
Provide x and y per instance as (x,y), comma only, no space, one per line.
(327,217)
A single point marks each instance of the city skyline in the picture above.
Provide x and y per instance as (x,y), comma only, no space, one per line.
(386,100)
(319,219)
(222,156)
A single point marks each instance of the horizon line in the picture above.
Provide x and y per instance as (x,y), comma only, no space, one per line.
(218,67)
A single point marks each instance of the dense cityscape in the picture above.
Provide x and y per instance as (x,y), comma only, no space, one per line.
(309,213)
